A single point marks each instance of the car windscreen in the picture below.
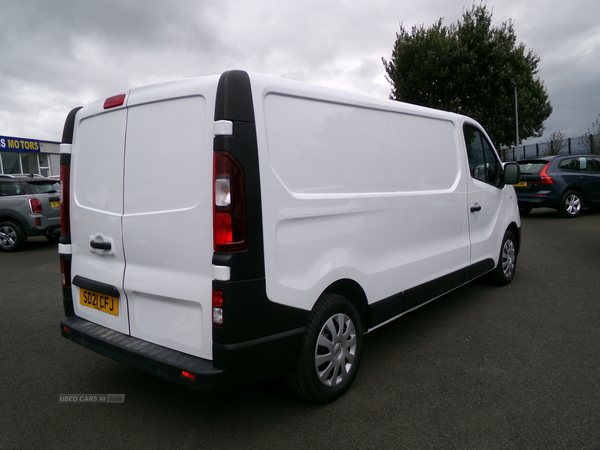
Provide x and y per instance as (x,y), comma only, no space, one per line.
(44,187)
(532,167)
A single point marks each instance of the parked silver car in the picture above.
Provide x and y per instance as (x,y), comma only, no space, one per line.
(29,206)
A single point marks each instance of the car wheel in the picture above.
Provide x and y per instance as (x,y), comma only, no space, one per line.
(12,236)
(571,204)
(504,272)
(331,351)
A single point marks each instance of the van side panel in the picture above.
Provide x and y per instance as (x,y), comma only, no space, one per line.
(167,223)
(358,191)
(332,209)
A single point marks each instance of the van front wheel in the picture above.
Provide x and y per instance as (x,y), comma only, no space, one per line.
(507,262)
(331,351)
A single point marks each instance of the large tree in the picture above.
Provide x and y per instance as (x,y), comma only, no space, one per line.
(471,68)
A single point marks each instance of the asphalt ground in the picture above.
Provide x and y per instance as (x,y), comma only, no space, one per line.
(483,367)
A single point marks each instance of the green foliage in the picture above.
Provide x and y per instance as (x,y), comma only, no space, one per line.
(471,68)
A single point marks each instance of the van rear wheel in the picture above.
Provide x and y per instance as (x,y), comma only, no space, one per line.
(331,351)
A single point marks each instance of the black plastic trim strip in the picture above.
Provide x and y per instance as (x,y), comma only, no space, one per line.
(481,268)
(69,127)
(249,314)
(96,286)
(234,103)
(65,159)
(395,305)
(234,97)
(255,329)
(142,355)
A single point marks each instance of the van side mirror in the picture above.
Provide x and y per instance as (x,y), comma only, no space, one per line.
(512,173)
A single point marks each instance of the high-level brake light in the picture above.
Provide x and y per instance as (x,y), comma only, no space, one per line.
(115,101)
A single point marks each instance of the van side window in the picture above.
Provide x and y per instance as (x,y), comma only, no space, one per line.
(482,160)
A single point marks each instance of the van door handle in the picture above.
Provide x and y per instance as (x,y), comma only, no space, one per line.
(100,245)
(476,207)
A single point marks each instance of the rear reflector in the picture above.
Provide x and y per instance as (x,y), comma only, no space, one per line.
(115,101)
(188,375)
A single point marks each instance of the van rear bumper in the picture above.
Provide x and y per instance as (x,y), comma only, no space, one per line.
(142,355)
(243,363)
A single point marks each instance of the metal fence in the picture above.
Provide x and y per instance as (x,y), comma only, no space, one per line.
(569,146)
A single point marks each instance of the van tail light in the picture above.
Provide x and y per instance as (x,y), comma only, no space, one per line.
(35,206)
(229,204)
(544,177)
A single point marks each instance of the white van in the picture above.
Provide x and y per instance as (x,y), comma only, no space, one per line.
(224,230)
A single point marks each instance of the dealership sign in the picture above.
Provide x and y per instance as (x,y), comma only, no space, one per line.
(13,144)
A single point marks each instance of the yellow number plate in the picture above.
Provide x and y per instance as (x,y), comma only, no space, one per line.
(100,302)
(55,204)
(521,184)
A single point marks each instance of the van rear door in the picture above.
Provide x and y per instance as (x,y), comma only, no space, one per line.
(141,215)
(98,260)
(167,220)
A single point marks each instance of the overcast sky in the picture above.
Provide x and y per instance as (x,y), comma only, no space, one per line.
(58,54)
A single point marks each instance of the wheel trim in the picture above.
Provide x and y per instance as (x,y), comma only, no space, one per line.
(508,258)
(8,237)
(335,350)
(573,204)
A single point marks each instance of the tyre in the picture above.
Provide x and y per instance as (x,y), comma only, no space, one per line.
(331,351)
(504,272)
(12,236)
(571,204)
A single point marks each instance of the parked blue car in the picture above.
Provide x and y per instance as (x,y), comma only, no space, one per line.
(567,183)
